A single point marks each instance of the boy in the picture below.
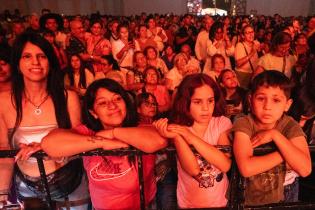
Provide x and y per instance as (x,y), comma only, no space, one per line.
(271,177)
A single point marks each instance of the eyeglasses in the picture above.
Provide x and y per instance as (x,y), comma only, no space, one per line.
(115,100)
(149,104)
(249,32)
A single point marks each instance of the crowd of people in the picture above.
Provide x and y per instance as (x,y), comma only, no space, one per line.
(71,84)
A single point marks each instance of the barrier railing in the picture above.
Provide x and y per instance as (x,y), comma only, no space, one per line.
(237,184)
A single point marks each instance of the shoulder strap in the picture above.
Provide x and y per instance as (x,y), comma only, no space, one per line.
(250,63)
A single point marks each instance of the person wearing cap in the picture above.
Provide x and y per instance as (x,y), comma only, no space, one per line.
(54,22)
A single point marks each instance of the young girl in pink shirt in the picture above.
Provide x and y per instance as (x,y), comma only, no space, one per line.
(197,121)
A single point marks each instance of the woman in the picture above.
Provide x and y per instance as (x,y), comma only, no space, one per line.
(143,40)
(278,58)
(219,43)
(147,108)
(246,56)
(39,103)
(168,56)
(110,119)
(97,45)
(151,54)
(134,76)
(156,33)
(123,50)
(176,74)
(77,77)
(151,85)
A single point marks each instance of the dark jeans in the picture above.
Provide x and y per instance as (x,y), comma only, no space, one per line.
(291,192)
(166,192)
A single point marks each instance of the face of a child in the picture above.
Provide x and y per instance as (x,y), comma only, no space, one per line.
(148,108)
(202,104)
(229,80)
(218,64)
(109,108)
(268,105)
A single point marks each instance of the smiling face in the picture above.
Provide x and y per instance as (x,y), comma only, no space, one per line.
(34,64)
(268,105)
(109,108)
(249,34)
(202,104)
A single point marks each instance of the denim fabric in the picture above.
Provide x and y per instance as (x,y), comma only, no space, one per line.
(291,192)
(166,192)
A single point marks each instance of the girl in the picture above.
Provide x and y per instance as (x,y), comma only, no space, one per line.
(234,95)
(77,77)
(197,120)
(217,65)
(110,120)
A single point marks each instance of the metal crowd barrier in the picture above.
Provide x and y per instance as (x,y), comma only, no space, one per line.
(237,184)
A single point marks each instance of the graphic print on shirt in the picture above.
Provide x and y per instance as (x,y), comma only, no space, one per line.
(108,170)
(208,173)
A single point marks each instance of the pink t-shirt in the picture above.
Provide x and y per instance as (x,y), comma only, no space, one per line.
(113,181)
(210,189)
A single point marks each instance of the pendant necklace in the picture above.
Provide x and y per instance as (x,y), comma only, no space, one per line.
(37,110)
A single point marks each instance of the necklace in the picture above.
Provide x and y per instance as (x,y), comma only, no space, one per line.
(37,110)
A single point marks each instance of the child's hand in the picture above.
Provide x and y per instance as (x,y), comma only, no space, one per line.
(182,131)
(161,126)
(262,137)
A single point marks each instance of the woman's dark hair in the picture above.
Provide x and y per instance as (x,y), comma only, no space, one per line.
(55,86)
(94,21)
(70,72)
(280,38)
(272,78)
(145,51)
(89,99)
(143,97)
(180,113)
(111,61)
(216,26)
(5,53)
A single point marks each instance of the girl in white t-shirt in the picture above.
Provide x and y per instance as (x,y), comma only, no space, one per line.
(199,123)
